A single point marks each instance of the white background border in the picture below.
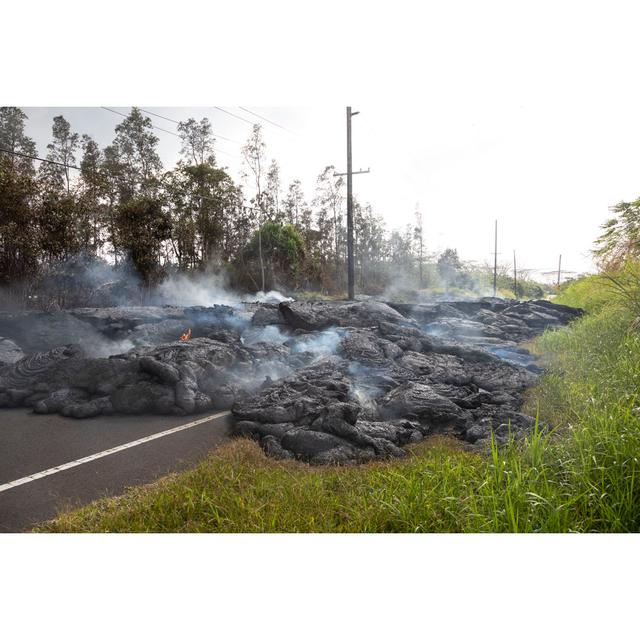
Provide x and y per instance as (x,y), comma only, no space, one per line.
(400,586)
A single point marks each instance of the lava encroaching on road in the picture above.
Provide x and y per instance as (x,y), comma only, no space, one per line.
(324,382)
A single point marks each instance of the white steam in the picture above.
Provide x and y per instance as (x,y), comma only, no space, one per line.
(270,333)
(207,290)
(204,290)
(322,344)
(267,297)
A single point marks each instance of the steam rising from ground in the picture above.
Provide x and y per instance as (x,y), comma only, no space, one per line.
(84,281)
(207,290)
(103,348)
(473,281)
(270,333)
(320,344)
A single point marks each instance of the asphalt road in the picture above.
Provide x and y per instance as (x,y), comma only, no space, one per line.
(31,443)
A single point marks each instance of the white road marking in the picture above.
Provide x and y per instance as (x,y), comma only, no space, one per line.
(107,452)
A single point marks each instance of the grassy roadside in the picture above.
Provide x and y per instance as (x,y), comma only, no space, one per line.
(585,476)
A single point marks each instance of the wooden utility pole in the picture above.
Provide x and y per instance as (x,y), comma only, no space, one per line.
(351,268)
(351,263)
(515,276)
(559,269)
(495,261)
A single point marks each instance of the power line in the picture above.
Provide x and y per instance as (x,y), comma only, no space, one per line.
(124,115)
(24,155)
(71,166)
(199,195)
(157,115)
(275,124)
(233,115)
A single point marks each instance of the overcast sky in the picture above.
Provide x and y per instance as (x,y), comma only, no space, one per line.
(546,172)
(528,118)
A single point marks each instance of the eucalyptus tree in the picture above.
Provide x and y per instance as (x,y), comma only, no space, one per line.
(197,141)
(418,236)
(62,151)
(329,201)
(19,249)
(204,200)
(449,266)
(143,224)
(294,204)
(58,214)
(254,156)
(272,194)
(93,196)
(369,233)
(134,149)
(14,140)
(400,254)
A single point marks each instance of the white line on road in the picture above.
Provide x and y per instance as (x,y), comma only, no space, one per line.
(107,452)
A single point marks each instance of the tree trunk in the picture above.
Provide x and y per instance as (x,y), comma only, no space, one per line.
(260,250)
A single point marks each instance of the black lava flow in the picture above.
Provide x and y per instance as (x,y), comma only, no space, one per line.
(323,382)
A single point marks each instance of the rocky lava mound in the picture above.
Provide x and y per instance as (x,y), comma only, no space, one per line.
(322,382)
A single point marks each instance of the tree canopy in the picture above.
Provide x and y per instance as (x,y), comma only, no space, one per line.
(119,205)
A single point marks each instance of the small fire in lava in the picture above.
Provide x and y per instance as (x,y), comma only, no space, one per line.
(185,336)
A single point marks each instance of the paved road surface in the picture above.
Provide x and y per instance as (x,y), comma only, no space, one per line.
(31,443)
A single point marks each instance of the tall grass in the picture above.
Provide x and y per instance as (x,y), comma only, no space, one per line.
(582,475)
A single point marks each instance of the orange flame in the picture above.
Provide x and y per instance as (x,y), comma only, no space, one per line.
(185,336)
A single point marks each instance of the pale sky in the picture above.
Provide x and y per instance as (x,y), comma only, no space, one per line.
(530,118)
(547,171)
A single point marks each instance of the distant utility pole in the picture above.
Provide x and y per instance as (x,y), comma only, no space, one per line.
(351,268)
(559,269)
(495,261)
(515,276)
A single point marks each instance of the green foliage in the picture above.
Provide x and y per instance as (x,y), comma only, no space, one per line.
(283,243)
(56,217)
(582,477)
(12,138)
(201,197)
(620,240)
(282,250)
(588,292)
(197,141)
(619,288)
(134,161)
(19,248)
(211,226)
(142,226)
(624,285)
(449,261)
(61,150)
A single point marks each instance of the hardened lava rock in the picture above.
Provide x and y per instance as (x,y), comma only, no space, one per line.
(398,375)
(323,382)
(10,352)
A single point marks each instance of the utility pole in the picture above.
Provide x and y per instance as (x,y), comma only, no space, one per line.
(559,269)
(495,261)
(351,264)
(515,276)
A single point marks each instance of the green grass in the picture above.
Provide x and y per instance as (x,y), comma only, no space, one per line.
(583,476)
(590,293)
